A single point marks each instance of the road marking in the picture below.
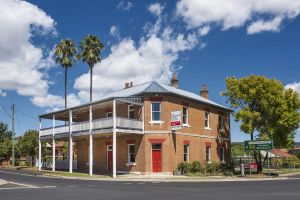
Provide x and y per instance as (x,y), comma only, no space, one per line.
(127,183)
(73,186)
(25,185)
(16,173)
(49,186)
(12,188)
(155,182)
(92,185)
(20,186)
(141,183)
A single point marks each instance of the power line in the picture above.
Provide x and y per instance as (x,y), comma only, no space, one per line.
(19,124)
(25,114)
(3,108)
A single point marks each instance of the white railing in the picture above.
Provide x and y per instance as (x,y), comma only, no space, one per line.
(103,123)
(62,129)
(80,126)
(97,124)
(129,123)
(47,131)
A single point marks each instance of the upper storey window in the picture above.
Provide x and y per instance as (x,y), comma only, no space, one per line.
(131,111)
(185,115)
(206,120)
(156,111)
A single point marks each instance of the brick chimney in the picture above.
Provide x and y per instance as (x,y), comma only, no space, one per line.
(174,81)
(204,92)
(126,85)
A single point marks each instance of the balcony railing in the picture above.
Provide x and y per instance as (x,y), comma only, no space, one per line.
(98,124)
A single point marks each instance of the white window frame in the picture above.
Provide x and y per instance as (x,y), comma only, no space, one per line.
(208,119)
(222,156)
(107,113)
(209,154)
(128,153)
(221,123)
(131,110)
(186,153)
(156,121)
(187,116)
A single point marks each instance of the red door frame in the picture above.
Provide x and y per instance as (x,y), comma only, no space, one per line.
(108,158)
(156,158)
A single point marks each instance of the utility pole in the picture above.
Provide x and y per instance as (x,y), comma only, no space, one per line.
(13,133)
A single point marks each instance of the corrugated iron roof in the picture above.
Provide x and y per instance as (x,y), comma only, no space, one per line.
(152,87)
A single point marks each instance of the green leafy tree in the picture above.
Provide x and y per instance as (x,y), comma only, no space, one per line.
(5,141)
(64,54)
(263,106)
(90,53)
(237,150)
(29,144)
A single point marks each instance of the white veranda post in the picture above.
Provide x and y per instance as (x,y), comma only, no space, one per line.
(114,140)
(70,142)
(53,143)
(91,143)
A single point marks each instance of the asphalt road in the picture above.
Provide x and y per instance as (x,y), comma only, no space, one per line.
(32,186)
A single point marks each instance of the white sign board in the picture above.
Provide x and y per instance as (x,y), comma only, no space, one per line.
(175,120)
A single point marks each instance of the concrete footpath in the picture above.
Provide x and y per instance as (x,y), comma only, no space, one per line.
(157,178)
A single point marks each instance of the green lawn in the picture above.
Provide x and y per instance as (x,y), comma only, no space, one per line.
(74,174)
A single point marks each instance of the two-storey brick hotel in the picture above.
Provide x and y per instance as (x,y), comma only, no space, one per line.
(129,131)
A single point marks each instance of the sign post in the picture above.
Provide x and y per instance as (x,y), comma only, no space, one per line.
(175,120)
(256,145)
(268,163)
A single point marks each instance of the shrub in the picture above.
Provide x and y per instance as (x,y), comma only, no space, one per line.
(197,167)
(212,168)
(185,167)
(226,170)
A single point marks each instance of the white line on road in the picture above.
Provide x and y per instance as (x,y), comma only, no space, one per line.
(12,188)
(73,186)
(49,186)
(16,173)
(25,185)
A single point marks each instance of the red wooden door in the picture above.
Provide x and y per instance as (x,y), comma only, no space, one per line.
(156,160)
(109,159)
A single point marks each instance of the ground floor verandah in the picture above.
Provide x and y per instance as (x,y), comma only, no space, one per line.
(142,153)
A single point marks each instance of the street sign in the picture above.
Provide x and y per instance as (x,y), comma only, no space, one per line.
(252,145)
(175,120)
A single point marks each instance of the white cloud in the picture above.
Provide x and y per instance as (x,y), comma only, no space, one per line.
(152,58)
(261,26)
(202,45)
(125,5)
(22,64)
(114,31)
(56,102)
(203,30)
(235,13)
(2,93)
(156,9)
(295,86)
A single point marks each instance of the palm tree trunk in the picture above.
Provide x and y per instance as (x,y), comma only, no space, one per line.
(91,83)
(66,76)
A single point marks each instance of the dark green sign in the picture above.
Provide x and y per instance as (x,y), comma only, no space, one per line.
(252,145)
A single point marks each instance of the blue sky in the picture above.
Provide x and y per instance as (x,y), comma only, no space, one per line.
(144,40)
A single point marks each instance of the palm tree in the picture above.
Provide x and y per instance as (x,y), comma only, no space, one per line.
(90,47)
(64,54)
